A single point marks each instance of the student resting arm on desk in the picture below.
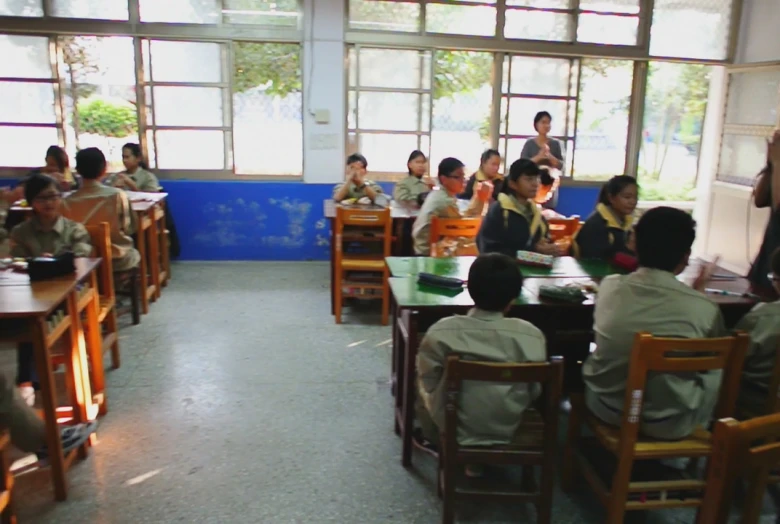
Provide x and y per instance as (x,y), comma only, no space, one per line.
(444,204)
(356,185)
(136,176)
(608,231)
(411,187)
(514,223)
(46,233)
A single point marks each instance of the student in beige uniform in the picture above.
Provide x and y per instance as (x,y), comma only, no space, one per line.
(444,202)
(356,184)
(763,326)
(653,300)
(410,188)
(136,176)
(46,233)
(489,414)
(95,203)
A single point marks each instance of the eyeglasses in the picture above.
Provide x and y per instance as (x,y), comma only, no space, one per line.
(773,277)
(48,198)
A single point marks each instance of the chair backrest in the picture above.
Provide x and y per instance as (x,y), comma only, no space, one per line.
(561,228)
(773,391)
(748,450)
(100,235)
(367,221)
(549,374)
(452,228)
(679,355)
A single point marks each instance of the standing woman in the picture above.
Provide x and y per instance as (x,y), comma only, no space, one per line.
(543,150)
(136,176)
(489,164)
(410,188)
(767,194)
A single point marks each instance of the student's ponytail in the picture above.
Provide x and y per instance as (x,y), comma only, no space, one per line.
(614,186)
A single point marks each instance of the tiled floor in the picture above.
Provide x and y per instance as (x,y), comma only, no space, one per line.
(240,401)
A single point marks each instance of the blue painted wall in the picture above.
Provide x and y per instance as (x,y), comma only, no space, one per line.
(236,220)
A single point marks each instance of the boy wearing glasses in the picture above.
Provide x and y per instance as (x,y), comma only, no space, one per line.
(763,325)
(444,202)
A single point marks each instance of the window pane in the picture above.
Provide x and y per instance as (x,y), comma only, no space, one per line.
(267,109)
(25,146)
(538,25)
(537,76)
(675,104)
(378,15)
(390,68)
(541,4)
(602,124)
(175,150)
(461,20)
(388,111)
(180,11)
(102,9)
(173,106)
(523,110)
(610,6)
(21,8)
(741,157)
(26,102)
(277,13)
(186,61)
(612,30)
(463,93)
(705,24)
(753,98)
(387,153)
(30,56)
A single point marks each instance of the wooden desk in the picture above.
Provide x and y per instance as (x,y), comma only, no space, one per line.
(150,214)
(46,311)
(417,308)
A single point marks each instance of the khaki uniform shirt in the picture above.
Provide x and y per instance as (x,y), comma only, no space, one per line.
(29,239)
(409,189)
(354,192)
(440,204)
(95,203)
(144,180)
(488,414)
(654,301)
(763,326)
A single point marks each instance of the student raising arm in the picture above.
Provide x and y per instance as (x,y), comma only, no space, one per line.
(356,184)
(514,223)
(489,164)
(607,231)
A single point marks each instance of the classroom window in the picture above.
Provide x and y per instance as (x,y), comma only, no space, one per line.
(371,15)
(273,13)
(705,25)
(180,11)
(471,20)
(28,119)
(267,109)
(180,76)
(675,105)
(98,78)
(101,9)
(29,8)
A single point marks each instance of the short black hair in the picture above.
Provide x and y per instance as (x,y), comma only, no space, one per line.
(494,281)
(664,236)
(60,156)
(36,184)
(522,167)
(774,263)
(90,163)
(449,165)
(539,116)
(357,157)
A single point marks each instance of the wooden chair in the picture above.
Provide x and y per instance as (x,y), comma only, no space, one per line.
(561,228)
(453,228)
(367,271)
(7,511)
(661,355)
(101,242)
(749,450)
(538,435)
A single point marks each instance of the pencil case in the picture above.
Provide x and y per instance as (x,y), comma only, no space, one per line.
(529,258)
(625,261)
(430,279)
(562,293)
(45,268)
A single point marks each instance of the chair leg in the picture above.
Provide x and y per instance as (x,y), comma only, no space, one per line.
(337,296)
(616,505)
(111,325)
(385,300)
(8,515)
(447,480)
(135,302)
(569,469)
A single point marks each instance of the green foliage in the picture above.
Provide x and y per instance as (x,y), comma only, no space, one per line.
(277,67)
(460,72)
(115,119)
(651,189)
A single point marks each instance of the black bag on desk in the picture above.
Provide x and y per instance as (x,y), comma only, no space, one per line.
(44,268)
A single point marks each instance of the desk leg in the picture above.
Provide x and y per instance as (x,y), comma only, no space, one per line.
(46,377)
(407,429)
(142,268)
(332,268)
(77,376)
(96,349)
(154,257)
(165,254)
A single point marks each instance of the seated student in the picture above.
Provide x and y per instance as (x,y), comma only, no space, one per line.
(46,233)
(763,326)
(653,300)
(489,414)
(514,223)
(443,202)
(607,231)
(136,176)
(95,203)
(410,188)
(356,185)
(489,164)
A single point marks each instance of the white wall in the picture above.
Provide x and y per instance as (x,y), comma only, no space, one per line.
(323,144)
(759,35)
